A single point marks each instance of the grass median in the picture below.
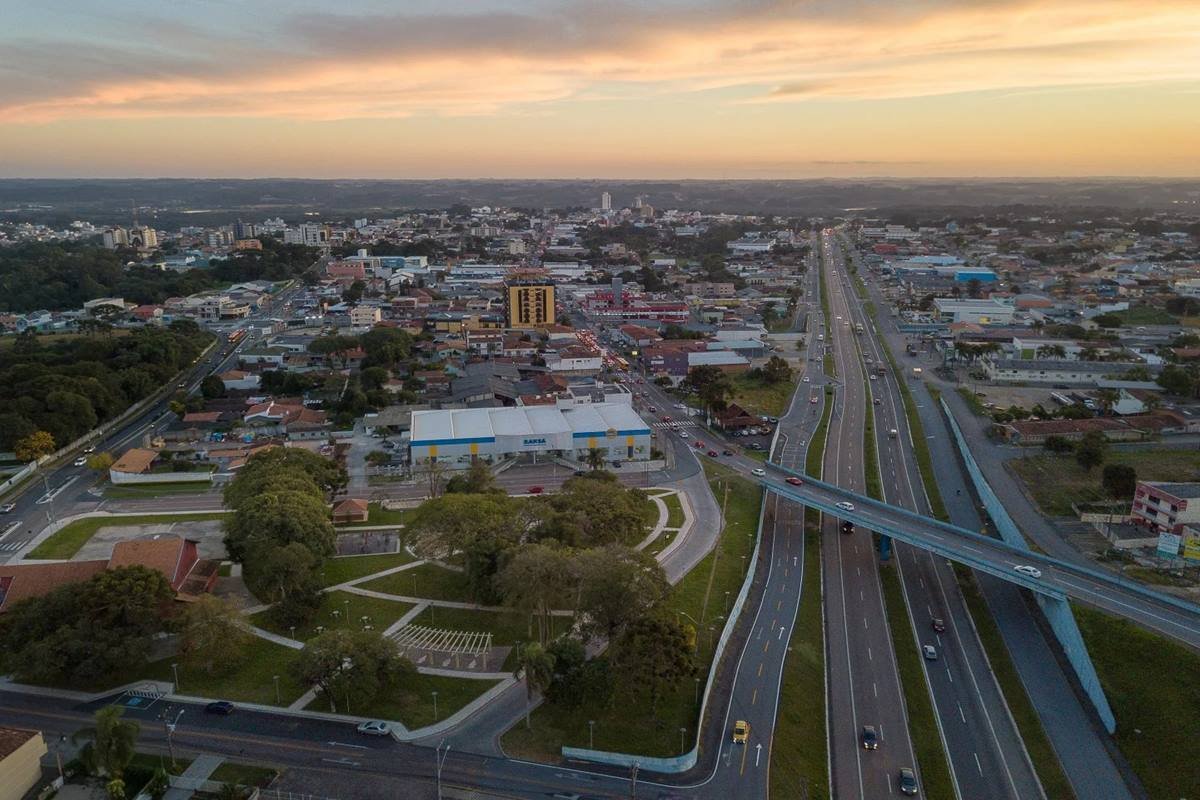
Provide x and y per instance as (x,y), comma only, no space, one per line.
(1041,752)
(922,721)
(67,541)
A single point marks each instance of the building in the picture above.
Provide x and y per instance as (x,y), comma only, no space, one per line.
(21,754)
(311,234)
(352,509)
(529,303)
(361,316)
(137,465)
(1053,371)
(459,436)
(605,201)
(981,312)
(1166,507)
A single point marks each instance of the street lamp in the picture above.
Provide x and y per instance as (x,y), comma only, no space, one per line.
(440,756)
(175,672)
(682,735)
(293,630)
(591,734)
(435,713)
(276,679)
(697,690)
(169,725)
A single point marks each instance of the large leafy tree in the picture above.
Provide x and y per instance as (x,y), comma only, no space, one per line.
(1091,450)
(111,742)
(34,446)
(594,510)
(617,585)
(538,579)
(652,656)
(211,635)
(351,668)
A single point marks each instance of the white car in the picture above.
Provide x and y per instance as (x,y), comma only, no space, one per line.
(1025,569)
(758,473)
(805,379)
(846,505)
(930,652)
(375,727)
(81,462)
(683,435)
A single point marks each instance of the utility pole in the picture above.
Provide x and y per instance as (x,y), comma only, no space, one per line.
(633,771)
(441,755)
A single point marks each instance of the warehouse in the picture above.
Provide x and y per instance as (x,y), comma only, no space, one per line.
(494,434)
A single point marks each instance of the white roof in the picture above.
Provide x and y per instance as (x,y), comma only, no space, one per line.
(487,423)
(715,358)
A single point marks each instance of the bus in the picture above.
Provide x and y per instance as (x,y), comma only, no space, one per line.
(858,329)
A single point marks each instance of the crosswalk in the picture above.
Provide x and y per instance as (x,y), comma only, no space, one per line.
(10,547)
(680,424)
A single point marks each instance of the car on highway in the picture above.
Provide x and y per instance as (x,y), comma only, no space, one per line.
(80,462)
(91,448)
(653,410)
(870,739)
(805,379)
(726,452)
(684,435)
(846,505)
(7,508)
(758,473)
(878,402)
(1025,569)
(535,490)
(375,727)
(907,782)
(741,731)
(929,651)
(220,707)
(794,481)
(938,624)
(712,453)
(680,406)
(813,400)
(847,526)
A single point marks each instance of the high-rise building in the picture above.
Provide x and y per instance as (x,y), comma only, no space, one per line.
(639,201)
(115,237)
(606,202)
(529,302)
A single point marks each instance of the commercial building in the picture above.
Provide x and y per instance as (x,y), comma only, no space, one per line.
(981,312)
(21,754)
(529,302)
(1054,371)
(1166,507)
(460,436)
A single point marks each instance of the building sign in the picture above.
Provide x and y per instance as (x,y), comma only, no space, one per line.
(535,442)
(1168,544)
(1191,548)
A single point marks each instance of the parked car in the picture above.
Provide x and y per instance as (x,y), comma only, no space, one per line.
(536,489)
(741,731)
(794,481)
(221,707)
(375,727)
(907,781)
(91,448)
(1025,569)
(938,624)
(929,651)
(7,508)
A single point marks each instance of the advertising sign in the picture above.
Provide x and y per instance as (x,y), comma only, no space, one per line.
(1168,544)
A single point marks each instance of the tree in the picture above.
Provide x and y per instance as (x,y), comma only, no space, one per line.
(1091,450)
(111,742)
(378,457)
(100,462)
(1119,480)
(212,636)
(34,446)
(1107,398)
(591,510)
(594,458)
(776,370)
(710,384)
(653,655)
(286,575)
(355,292)
(1177,380)
(478,479)
(281,517)
(1057,444)
(537,665)
(1051,351)
(617,585)
(578,679)
(212,387)
(351,667)
(538,578)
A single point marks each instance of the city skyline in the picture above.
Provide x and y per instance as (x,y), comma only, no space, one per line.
(674,89)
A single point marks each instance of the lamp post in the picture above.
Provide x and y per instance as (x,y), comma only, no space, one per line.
(697,690)
(276,679)
(591,734)
(169,725)
(435,713)
(440,755)
(175,672)
(682,736)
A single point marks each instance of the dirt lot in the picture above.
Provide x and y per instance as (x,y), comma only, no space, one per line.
(1023,396)
(208,533)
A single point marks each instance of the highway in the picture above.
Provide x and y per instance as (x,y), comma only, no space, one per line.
(985,753)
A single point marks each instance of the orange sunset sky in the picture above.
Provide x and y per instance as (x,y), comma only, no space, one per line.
(657,89)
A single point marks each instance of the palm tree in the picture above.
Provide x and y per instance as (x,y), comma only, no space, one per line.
(538,666)
(1108,398)
(112,744)
(594,458)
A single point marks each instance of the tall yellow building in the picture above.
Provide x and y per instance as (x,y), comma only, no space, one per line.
(529,303)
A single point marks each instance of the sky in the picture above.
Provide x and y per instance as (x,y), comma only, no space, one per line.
(606,89)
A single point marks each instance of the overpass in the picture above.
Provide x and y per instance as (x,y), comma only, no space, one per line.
(1059,580)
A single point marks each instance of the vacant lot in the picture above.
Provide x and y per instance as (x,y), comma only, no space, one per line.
(1057,481)
(67,542)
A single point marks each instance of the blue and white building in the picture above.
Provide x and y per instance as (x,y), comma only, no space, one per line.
(460,436)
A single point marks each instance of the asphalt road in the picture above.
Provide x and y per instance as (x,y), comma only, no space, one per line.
(984,749)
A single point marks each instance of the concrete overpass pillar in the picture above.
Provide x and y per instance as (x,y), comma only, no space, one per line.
(1066,630)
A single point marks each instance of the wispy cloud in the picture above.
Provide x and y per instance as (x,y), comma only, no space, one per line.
(322,66)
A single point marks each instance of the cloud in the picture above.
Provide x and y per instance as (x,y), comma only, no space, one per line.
(323,66)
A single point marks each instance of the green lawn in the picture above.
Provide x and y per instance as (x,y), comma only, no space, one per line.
(506,627)
(378,515)
(631,727)
(760,397)
(243,774)
(347,568)
(429,580)
(47,339)
(871,453)
(973,402)
(67,542)
(1152,684)
(413,705)
(1147,315)
(674,511)
(157,490)
(1057,481)
(251,680)
(658,545)
(1041,752)
(336,608)
(922,723)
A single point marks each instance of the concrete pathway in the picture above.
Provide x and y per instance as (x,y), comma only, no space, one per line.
(193,777)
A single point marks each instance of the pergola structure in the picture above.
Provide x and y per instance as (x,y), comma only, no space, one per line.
(443,647)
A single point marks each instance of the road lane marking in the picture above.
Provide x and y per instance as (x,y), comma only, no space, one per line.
(978,766)
(766,645)
(742,770)
(760,669)
(869,656)
(754,697)
(961,714)
(875,688)
(949,674)
(781,629)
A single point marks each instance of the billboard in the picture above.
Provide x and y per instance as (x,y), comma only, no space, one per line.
(1191,548)
(1168,544)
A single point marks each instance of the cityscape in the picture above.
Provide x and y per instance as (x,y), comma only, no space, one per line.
(778,455)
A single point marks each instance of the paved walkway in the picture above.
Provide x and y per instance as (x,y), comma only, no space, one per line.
(193,777)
